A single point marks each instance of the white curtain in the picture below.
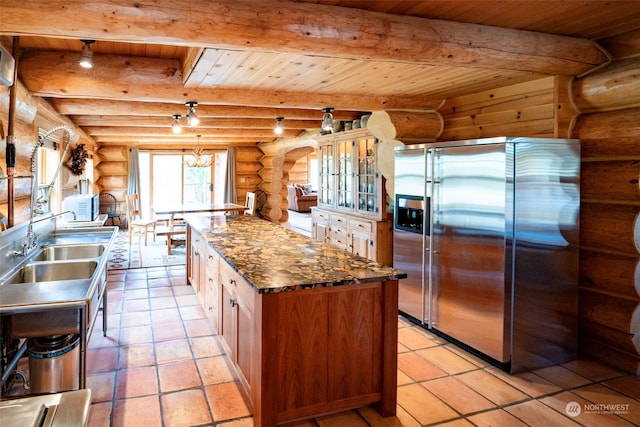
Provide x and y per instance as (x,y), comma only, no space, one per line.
(230,195)
(133,185)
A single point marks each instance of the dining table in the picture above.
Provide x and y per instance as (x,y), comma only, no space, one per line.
(189,208)
(177,235)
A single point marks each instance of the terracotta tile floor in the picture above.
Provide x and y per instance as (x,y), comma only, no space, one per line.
(162,365)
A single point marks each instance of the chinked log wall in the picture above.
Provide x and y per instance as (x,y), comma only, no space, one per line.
(33,113)
(113,165)
(608,126)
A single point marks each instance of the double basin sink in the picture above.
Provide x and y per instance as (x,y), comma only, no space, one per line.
(65,273)
(45,267)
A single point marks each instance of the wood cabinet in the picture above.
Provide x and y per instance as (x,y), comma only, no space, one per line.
(366,237)
(351,212)
(304,352)
(349,180)
(196,268)
(211,300)
(236,320)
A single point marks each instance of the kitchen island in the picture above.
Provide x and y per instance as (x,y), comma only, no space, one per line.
(311,329)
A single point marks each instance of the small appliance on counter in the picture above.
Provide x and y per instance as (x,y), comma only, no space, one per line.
(85,206)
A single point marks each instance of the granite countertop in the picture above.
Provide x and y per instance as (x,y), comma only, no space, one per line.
(275,259)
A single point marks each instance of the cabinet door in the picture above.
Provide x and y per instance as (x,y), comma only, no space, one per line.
(228,328)
(320,225)
(344,174)
(244,337)
(212,284)
(369,189)
(327,176)
(194,267)
(203,249)
(321,231)
(362,244)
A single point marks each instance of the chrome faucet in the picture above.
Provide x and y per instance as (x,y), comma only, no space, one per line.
(31,240)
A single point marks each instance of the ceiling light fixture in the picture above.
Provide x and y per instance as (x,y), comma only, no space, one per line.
(279,126)
(200,160)
(327,119)
(86,58)
(192,117)
(176,126)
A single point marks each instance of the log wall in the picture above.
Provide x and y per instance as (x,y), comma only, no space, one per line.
(525,109)
(299,172)
(247,168)
(610,236)
(113,166)
(33,113)
(609,131)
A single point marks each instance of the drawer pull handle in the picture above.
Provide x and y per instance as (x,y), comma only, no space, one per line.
(232,282)
(232,302)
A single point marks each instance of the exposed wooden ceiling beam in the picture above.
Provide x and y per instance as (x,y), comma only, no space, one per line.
(171,142)
(56,74)
(258,134)
(311,29)
(106,107)
(205,122)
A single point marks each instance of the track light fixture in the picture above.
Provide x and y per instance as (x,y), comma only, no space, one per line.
(327,119)
(200,160)
(279,126)
(192,117)
(86,58)
(176,126)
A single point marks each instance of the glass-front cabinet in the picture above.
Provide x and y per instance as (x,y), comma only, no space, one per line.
(349,180)
(327,175)
(367,176)
(344,174)
(351,212)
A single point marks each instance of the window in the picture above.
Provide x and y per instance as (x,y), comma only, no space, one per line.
(165,179)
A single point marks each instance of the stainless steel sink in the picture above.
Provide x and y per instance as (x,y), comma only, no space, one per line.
(53,271)
(74,238)
(67,252)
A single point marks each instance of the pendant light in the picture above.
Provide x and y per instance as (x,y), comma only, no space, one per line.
(200,160)
(327,119)
(176,126)
(279,126)
(192,117)
(86,58)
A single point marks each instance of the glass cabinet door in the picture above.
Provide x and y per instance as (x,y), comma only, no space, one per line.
(367,177)
(344,174)
(327,175)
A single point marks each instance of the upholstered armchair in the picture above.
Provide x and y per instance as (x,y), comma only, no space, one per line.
(300,198)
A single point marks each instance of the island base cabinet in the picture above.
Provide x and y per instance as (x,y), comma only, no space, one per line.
(325,350)
(236,321)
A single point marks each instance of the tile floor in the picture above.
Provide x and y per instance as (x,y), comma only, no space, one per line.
(162,365)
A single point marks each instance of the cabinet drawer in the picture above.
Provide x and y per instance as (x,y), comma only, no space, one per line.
(240,288)
(213,260)
(246,294)
(339,237)
(338,219)
(356,224)
(321,215)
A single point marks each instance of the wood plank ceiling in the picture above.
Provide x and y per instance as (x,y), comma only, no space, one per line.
(248,62)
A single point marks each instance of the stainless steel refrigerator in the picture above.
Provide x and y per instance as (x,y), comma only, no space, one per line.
(487,232)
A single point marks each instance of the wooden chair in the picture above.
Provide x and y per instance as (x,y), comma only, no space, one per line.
(176,236)
(135,220)
(250,203)
(108,206)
